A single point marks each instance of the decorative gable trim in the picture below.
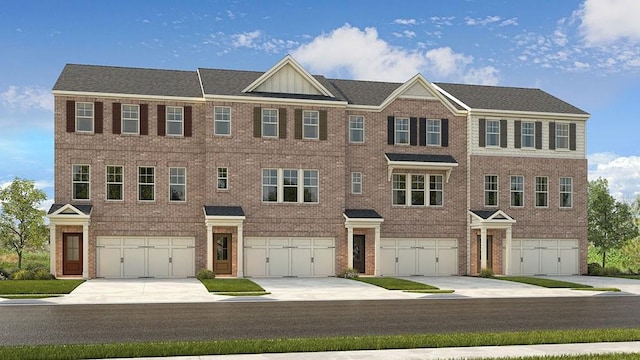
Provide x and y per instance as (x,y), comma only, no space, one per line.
(419,88)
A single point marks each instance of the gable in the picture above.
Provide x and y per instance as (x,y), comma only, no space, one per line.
(418,91)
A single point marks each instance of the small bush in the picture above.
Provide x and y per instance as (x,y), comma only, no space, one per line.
(23,274)
(206,274)
(349,273)
(4,274)
(486,273)
(610,271)
(43,274)
(594,269)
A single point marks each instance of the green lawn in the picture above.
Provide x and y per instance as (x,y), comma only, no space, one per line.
(49,287)
(236,287)
(391,283)
(548,283)
(635,277)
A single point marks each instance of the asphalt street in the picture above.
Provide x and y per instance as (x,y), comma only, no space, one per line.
(68,324)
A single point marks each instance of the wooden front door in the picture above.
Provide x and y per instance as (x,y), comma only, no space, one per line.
(358,253)
(222,256)
(489,252)
(72,254)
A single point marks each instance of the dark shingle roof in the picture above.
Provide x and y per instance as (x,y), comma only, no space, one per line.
(85,209)
(509,98)
(362,214)
(485,214)
(364,92)
(223,210)
(421,158)
(125,80)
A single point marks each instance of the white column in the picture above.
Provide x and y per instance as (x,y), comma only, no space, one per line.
(85,250)
(483,248)
(240,262)
(52,249)
(507,254)
(349,247)
(376,251)
(209,247)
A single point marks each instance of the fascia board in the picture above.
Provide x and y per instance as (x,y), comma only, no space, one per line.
(283,101)
(529,114)
(126,96)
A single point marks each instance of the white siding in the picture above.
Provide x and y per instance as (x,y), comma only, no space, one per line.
(287,80)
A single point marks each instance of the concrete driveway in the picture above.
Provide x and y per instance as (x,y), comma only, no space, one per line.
(630,286)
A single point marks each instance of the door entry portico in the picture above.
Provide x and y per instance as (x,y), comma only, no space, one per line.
(222,256)
(485,220)
(72,254)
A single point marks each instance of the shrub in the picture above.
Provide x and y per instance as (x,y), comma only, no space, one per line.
(43,274)
(23,274)
(610,270)
(349,273)
(594,269)
(486,273)
(206,274)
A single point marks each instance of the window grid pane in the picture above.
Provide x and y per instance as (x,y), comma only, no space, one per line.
(493,133)
(310,186)
(269,123)
(84,117)
(517,191)
(146,184)
(223,178)
(114,183)
(310,124)
(222,120)
(562,136)
(81,182)
(542,191)
(528,135)
(491,190)
(269,185)
(356,129)
(177,184)
(417,189)
(174,120)
(290,185)
(402,130)
(130,119)
(356,183)
(435,190)
(399,184)
(433,132)
(566,192)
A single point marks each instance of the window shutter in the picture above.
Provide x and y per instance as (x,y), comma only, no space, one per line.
(71,116)
(517,134)
(282,123)
(323,124)
(422,132)
(98,117)
(503,133)
(162,121)
(482,133)
(257,122)
(572,136)
(188,123)
(413,131)
(116,118)
(391,139)
(538,135)
(144,119)
(298,123)
(444,135)
(552,136)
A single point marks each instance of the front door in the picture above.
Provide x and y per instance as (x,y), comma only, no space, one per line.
(358,253)
(489,252)
(222,256)
(71,254)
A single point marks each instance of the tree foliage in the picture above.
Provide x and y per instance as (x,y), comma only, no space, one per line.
(610,223)
(21,222)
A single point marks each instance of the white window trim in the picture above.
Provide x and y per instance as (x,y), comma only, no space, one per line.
(560,192)
(277,124)
(170,184)
(568,137)
(216,120)
(486,140)
(428,202)
(533,135)
(395,130)
(138,183)
(303,186)
(167,121)
(93,117)
(280,186)
(226,178)
(107,183)
(497,190)
(536,192)
(123,119)
(409,190)
(73,182)
(427,132)
(352,119)
(317,124)
(511,191)
(355,174)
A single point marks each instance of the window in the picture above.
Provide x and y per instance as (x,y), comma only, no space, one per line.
(433,132)
(290,185)
(175,120)
(223,178)
(356,183)
(269,122)
(114,183)
(493,133)
(356,129)
(84,117)
(417,190)
(130,119)
(517,191)
(221,120)
(562,136)
(528,135)
(491,190)
(399,189)
(435,190)
(81,182)
(310,186)
(310,124)
(178,184)
(269,185)
(146,184)
(402,131)
(542,191)
(566,192)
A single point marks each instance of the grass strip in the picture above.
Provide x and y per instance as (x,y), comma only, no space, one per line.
(29,296)
(598,289)
(547,283)
(627,276)
(231,286)
(226,347)
(631,356)
(14,287)
(433,291)
(391,283)
(243,293)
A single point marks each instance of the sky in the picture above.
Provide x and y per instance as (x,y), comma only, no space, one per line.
(586,52)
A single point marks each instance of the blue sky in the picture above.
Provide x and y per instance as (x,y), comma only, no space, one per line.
(586,52)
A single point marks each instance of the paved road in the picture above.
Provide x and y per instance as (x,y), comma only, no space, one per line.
(67,324)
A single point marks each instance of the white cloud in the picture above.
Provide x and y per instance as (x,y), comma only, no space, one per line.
(257,40)
(487,75)
(405,21)
(607,21)
(27,98)
(439,21)
(480,21)
(622,173)
(447,62)
(245,39)
(509,22)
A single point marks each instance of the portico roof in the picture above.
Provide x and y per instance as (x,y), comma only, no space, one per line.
(423,162)
(490,219)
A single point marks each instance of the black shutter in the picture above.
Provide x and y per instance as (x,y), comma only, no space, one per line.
(323,124)
(188,123)
(413,131)
(144,119)
(162,120)
(444,135)
(116,117)
(517,134)
(538,135)
(572,136)
(482,133)
(282,123)
(298,123)
(390,130)
(503,133)
(552,136)
(257,122)
(423,132)
(98,117)
(71,116)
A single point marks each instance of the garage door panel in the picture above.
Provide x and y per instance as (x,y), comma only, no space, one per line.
(426,261)
(324,261)
(134,262)
(406,243)
(323,242)
(255,261)
(407,261)
(289,256)
(109,265)
(301,242)
(419,257)
(134,241)
(109,241)
(549,261)
(159,242)
(182,262)
(388,261)
(187,242)
(158,259)
(385,243)
(515,262)
(278,262)
(432,243)
(447,261)
(530,261)
(249,242)
(568,261)
(301,261)
(540,256)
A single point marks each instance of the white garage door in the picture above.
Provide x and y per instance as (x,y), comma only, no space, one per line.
(133,257)
(289,256)
(406,257)
(544,257)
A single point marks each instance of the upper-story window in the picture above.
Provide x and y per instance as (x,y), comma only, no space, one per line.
(491,190)
(269,122)
(130,119)
(566,192)
(81,181)
(402,131)
(311,186)
(310,124)
(493,133)
(433,132)
(222,120)
(178,184)
(223,178)
(290,185)
(528,135)
(356,183)
(517,191)
(436,193)
(84,117)
(542,191)
(146,183)
(562,136)
(175,120)
(356,129)
(115,182)
(415,186)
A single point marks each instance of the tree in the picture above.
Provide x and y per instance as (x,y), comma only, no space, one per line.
(610,223)
(21,223)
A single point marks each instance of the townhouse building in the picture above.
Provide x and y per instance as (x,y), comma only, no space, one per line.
(162,173)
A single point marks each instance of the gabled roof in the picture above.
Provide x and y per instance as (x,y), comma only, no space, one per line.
(361,214)
(70,209)
(223,210)
(491,215)
(425,158)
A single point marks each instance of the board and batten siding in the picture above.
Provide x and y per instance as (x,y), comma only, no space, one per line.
(511,150)
(287,80)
